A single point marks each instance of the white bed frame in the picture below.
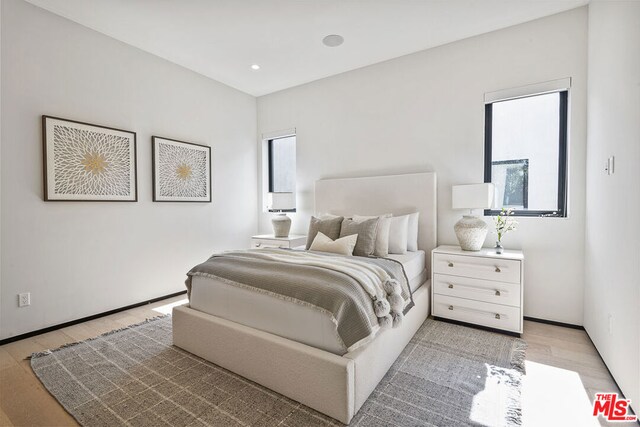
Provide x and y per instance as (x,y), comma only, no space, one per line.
(334,385)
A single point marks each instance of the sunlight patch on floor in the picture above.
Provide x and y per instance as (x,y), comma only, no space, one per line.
(490,406)
(554,397)
(168,308)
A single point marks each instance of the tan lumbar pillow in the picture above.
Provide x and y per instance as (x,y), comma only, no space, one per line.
(342,246)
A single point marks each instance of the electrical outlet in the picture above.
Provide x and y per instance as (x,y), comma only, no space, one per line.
(24,299)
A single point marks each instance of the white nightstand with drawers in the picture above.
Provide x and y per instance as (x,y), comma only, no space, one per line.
(270,241)
(482,287)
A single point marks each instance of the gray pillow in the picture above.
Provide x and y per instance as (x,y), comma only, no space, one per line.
(329,227)
(382,235)
(366,231)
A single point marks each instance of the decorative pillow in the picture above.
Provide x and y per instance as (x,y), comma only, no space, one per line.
(329,227)
(398,234)
(366,231)
(342,246)
(412,232)
(382,234)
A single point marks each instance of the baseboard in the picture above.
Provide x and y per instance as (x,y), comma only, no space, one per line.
(553,322)
(86,319)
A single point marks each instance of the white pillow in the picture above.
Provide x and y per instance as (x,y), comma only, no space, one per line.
(412,232)
(382,234)
(398,232)
(343,245)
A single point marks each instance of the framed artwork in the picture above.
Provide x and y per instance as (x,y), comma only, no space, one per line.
(85,162)
(181,171)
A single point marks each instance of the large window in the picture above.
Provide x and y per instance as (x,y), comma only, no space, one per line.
(526,154)
(282,164)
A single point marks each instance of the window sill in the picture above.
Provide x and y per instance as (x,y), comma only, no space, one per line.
(528,213)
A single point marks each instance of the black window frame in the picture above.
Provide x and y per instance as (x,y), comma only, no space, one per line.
(270,162)
(270,166)
(561,212)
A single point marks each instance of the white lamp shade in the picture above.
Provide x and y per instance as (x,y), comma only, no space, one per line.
(472,196)
(281,202)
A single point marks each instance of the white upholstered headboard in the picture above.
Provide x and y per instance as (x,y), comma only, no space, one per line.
(377,195)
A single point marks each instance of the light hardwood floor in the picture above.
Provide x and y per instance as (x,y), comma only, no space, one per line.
(563,373)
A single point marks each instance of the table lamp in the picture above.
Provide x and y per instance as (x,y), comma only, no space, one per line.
(471,230)
(281,203)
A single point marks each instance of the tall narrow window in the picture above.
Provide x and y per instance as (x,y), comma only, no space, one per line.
(282,164)
(526,154)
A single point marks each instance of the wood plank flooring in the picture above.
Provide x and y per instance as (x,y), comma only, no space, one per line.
(563,373)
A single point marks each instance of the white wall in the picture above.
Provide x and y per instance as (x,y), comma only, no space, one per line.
(425,112)
(612,290)
(83,258)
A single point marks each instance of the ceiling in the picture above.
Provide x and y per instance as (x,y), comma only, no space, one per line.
(221,39)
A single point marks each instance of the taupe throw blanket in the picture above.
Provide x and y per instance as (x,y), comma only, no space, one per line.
(319,284)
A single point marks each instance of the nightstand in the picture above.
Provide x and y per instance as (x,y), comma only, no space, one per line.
(270,241)
(482,287)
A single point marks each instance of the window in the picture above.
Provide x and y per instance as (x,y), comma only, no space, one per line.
(282,164)
(526,154)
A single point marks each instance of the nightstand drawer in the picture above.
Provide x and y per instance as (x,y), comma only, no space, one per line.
(476,289)
(502,270)
(480,313)
(266,243)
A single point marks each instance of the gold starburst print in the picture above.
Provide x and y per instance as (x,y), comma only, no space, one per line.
(184,171)
(91,163)
(94,163)
(181,171)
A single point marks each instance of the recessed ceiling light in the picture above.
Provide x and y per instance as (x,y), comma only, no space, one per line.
(255,67)
(333,40)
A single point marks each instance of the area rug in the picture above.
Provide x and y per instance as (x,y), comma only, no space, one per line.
(448,375)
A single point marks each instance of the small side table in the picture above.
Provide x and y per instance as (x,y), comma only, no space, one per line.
(270,241)
(481,287)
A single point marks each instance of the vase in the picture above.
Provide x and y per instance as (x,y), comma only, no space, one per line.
(499,248)
(471,231)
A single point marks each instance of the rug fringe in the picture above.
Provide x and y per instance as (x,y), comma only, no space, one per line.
(514,400)
(72,344)
(518,355)
(511,379)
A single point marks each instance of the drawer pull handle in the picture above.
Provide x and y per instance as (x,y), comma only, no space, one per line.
(450,264)
(497,293)
(497,316)
(258,245)
(450,286)
(450,307)
(498,270)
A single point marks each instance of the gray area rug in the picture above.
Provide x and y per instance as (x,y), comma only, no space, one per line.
(448,375)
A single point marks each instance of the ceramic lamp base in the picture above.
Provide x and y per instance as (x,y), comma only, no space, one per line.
(281,225)
(471,232)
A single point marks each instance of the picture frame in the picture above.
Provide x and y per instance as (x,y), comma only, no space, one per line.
(88,162)
(181,171)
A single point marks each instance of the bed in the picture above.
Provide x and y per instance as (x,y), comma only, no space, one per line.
(302,360)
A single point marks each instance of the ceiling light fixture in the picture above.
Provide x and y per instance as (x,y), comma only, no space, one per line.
(255,67)
(333,40)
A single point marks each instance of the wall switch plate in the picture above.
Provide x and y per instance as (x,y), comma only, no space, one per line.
(24,299)
(610,166)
